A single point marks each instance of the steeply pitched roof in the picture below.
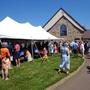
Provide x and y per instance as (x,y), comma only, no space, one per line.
(59,14)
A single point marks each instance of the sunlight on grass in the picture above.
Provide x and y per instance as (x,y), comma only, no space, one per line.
(36,75)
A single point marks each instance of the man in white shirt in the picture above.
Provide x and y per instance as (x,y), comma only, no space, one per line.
(82,49)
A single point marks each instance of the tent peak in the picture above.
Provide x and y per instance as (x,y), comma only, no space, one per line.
(8,19)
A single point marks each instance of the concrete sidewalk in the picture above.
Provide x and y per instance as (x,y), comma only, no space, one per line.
(79,81)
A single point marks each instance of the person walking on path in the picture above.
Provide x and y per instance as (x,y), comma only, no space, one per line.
(64,65)
(80,80)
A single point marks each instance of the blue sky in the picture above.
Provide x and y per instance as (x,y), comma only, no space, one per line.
(38,12)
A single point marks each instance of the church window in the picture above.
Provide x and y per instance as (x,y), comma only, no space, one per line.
(63,30)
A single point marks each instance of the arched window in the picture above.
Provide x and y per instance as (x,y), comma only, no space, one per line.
(63,30)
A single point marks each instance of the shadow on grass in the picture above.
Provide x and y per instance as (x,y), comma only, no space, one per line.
(57,70)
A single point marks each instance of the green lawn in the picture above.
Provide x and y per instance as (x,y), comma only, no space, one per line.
(37,75)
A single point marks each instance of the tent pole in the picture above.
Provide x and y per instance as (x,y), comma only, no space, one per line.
(32,49)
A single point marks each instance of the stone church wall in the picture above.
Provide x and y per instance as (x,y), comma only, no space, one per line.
(72,31)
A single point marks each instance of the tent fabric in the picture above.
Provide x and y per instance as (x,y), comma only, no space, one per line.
(14,30)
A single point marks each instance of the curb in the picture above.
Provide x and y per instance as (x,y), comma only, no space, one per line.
(52,87)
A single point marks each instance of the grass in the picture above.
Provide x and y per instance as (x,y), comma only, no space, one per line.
(37,75)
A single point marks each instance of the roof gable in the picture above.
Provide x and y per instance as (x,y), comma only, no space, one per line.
(59,14)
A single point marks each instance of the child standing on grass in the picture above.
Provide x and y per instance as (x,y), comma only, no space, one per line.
(45,54)
(5,68)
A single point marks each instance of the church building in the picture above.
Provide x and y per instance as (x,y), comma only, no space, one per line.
(62,25)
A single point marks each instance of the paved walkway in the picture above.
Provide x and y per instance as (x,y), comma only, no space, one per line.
(80,81)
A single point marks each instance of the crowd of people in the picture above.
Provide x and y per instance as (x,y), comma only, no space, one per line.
(76,47)
(18,52)
(9,54)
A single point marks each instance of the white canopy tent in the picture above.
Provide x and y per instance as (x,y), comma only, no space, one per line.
(11,29)
(14,30)
(38,33)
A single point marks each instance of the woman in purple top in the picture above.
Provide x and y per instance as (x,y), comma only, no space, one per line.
(16,54)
